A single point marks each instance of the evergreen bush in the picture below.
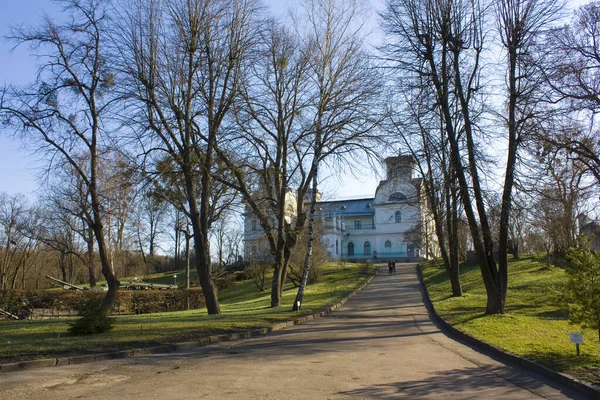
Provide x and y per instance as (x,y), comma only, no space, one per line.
(92,318)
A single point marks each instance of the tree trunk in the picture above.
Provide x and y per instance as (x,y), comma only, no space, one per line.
(480,229)
(98,228)
(177,240)
(509,176)
(90,258)
(187,261)
(201,247)
(107,271)
(63,267)
(275,283)
(287,256)
(453,243)
(309,245)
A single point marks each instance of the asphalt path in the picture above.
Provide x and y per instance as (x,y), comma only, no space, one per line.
(381,344)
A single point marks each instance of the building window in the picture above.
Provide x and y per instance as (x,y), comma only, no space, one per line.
(350,249)
(253,252)
(398,216)
(357,225)
(336,247)
(253,224)
(367,248)
(388,245)
(397,196)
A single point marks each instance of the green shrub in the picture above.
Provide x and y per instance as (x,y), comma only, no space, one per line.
(581,292)
(153,301)
(92,318)
(127,302)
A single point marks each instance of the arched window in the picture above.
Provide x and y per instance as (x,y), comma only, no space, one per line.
(367,248)
(397,196)
(388,245)
(398,216)
(350,249)
(253,224)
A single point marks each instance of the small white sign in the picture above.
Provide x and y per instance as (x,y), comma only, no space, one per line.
(576,338)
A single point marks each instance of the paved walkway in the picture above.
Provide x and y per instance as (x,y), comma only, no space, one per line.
(381,344)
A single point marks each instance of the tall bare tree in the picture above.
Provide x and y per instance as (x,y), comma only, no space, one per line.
(442,43)
(422,135)
(309,98)
(268,145)
(345,116)
(13,216)
(64,112)
(519,23)
(182,65)
(571,62)
(66,201)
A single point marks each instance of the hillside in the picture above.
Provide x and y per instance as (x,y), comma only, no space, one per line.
(535,324)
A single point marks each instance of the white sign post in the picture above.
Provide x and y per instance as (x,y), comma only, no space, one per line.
(576,338)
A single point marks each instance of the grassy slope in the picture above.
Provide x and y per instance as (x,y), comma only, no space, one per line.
(534,325)
(243,307)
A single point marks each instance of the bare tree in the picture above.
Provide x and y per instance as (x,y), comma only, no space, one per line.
(64,112)
(570,63)
(67,201)
(118,180)
(561,193)
(12,213)
(519,23)
(442,43)
(182,65)
(421,134)
(61,236)
(305,102)
(269,133)
(150,217)
(344,113)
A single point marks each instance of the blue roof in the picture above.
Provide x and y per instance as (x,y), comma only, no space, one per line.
(346,207)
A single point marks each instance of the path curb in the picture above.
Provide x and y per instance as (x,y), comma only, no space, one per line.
(585,388)
(172,347)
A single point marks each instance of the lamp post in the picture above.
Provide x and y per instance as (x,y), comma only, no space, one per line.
(175,279)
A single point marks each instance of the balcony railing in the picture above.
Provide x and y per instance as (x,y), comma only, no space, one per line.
(331,226)
(359,227)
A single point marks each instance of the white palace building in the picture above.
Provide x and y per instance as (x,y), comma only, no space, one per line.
(384,227)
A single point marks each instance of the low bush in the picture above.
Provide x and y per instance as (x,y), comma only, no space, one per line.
(92,318)
(128,301)
(225,280)
(258,273)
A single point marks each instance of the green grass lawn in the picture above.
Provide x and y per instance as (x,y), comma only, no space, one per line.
(243,307)
(534,325)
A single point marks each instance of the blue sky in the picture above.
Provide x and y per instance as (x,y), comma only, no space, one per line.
(19,168)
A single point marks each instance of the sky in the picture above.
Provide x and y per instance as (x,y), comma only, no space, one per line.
(20,169)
